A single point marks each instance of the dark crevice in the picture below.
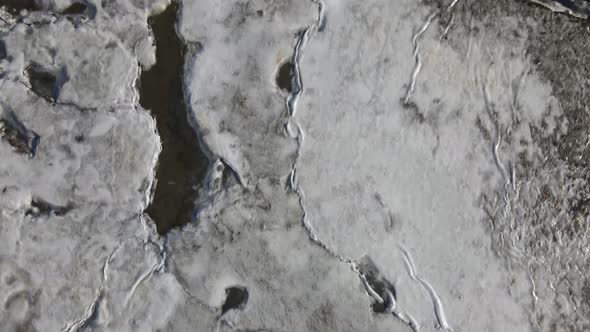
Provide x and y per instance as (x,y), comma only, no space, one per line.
(40,207)
(181,165)
(285,77)
(22,140)
(235,298)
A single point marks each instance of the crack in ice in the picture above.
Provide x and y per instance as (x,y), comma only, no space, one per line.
(576,8)
(159,266)
(90,312)
(389,301)
(416,53)
(496,146)
(436,302)
(417,58)
(291,104)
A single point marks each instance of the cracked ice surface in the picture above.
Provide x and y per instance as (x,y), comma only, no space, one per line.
(90,265)
(361,142)
(359,200)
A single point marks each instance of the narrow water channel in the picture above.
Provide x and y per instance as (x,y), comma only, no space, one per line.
(182,164)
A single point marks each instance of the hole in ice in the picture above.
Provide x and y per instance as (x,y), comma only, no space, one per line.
(3,52)
(181,164)
(14,7)
(285,76)
(18,137)
(77,8)
(80,9)
(378,284)
(235,298)
(40,207)
(45,83)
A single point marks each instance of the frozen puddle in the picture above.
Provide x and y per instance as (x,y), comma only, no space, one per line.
(181,164)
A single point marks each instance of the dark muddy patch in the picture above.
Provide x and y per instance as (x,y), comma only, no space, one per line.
(235,298)
(22,140)
(181,164)
(285,76)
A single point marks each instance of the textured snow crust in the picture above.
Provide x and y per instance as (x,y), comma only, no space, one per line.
(399,173)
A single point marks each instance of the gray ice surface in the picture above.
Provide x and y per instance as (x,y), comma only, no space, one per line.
(413,179)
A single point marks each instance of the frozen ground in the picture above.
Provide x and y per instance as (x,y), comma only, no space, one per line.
(372,166)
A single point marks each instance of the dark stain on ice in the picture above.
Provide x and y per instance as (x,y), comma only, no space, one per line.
(40,207)
(22,140)
(182,164)
(285,76)
(235,298)
(414,111)
(14,7)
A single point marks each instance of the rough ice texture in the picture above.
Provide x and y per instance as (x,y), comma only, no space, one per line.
(407,155)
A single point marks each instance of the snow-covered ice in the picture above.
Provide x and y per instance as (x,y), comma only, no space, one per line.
(403,181)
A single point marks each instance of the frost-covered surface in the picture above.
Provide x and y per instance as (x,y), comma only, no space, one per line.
(406,172)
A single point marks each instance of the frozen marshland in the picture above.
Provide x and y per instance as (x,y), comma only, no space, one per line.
(294,165)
